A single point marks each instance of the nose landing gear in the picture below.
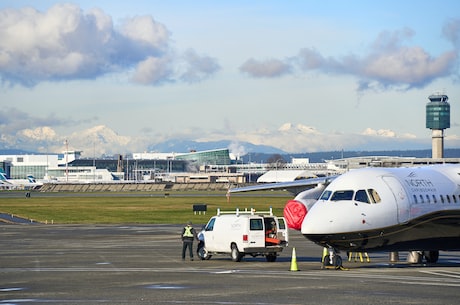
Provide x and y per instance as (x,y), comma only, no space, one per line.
(331,259)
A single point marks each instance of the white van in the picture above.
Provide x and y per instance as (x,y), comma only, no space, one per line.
(241,233)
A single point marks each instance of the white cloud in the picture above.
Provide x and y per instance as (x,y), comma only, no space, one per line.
(146,30)
(389,63)
(285,127)
(381,132)
(40,133)
(67,43)
(152,71)
(197,67)
(451,31)
(412,67)
(266,68)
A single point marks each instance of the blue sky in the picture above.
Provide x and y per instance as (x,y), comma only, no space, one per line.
(298,75)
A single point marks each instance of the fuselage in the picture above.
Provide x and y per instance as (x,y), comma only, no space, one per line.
(11,184)
(392,209)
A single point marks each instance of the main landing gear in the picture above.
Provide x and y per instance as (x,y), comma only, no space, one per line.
(418,257)
(331,259)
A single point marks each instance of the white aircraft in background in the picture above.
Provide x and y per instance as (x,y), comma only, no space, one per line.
(378,209)
(18,184)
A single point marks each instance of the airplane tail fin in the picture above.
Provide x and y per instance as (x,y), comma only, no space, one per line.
(3,176)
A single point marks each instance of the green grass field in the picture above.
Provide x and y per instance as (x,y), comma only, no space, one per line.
(173,209)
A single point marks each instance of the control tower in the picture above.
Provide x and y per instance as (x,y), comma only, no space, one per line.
(437,119)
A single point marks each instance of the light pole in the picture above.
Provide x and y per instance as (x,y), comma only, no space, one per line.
(66,160)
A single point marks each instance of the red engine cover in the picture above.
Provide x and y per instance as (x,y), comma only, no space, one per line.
(294,213)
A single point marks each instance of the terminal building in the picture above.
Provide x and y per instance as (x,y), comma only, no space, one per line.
(71,167)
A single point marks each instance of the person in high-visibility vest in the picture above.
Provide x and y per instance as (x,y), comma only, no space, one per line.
(188,236)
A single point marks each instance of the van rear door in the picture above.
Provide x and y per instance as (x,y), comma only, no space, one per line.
(256,235)
(283,232)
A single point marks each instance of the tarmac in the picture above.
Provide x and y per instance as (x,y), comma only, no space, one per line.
(141,264)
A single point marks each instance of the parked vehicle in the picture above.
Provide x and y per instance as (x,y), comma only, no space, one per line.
(247,232)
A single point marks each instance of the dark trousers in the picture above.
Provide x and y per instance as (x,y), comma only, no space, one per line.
(187,244)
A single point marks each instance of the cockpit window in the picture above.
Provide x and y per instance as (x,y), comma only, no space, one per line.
(361,196)
(366,196)
(342,195)
(325,195)
(375,197)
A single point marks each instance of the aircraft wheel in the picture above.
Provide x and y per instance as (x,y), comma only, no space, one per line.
(336,261)
(235,254)
(431,257)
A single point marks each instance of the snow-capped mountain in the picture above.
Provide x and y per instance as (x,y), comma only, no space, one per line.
(289,138)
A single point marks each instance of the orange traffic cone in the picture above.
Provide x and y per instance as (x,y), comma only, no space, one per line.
(294,261)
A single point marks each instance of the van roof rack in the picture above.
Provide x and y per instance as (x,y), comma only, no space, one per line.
(251,211)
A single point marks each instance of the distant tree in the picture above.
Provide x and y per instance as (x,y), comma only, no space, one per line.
(276,161)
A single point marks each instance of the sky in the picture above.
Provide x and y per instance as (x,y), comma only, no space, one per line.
(302,76)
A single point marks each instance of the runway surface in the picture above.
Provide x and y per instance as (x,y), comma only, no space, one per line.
(141,264)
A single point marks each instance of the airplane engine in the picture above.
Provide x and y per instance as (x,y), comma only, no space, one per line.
(294,213)
(295,210)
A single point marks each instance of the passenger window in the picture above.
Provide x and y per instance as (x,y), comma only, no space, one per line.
(427,198)
(325,195)
(421,198)
(442,198)
(415,199)
(434,199)
(210,225)
(448,198)
(375,197)
(342,195)
(455,198)
(256,225)
(361,196)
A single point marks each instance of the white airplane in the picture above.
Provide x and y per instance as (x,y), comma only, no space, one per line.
(378,209)
(18,184)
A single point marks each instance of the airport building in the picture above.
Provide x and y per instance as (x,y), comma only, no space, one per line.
(206,157)
(19,166)
(211,166)
(70,166)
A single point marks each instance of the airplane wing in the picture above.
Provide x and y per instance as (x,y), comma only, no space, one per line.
(294,187)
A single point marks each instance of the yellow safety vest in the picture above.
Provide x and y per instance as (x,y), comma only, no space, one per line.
(188,232)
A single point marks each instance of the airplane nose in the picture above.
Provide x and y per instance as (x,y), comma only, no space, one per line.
(294,213)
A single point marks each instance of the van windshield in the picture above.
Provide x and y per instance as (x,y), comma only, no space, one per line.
(210,225)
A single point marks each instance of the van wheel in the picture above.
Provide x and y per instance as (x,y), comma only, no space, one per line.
(270,257)
(236,255)
(203,253)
